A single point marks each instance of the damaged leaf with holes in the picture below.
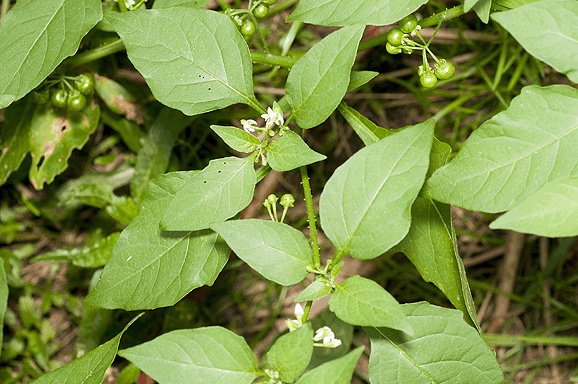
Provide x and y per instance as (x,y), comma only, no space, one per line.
(54,134)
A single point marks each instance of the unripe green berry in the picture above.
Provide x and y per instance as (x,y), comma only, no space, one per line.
(444,70)
(261,11)
(428,80)
(395,36)
(408,24)
(248,28)
(392,49)
(59,97)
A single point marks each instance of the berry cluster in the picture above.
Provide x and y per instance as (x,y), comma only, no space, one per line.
(258,9)
(66,95)
(398,41)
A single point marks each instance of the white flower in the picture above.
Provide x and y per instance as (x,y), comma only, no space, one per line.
(273,116)
(130,3)
(299,311)
(328,337)
(296,324)
(249,125)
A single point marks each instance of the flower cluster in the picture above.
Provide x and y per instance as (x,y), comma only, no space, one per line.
(328,337)
(274,116)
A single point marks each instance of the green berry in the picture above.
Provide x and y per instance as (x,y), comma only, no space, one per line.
(76,101)
(444,70)
(40,96)
(428,80)
(408,24)
(261,11)
(59,97)
(85,83)
(395,36)
(248,28)
(268,2)
(392,49)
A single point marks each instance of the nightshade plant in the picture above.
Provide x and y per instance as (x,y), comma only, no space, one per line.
(393,195)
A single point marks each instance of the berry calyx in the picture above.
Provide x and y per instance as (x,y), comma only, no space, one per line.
(40,96)
(392,49)
(85,83)
(395,36)
(408,24)
(76,101)
(428,80)
(444,70)
(247,28)
(261,11)
(59,97)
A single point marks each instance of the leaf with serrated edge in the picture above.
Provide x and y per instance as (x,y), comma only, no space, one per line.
(546,29)
(35,36)
(338,371)
(236,138)
(194,60)
(360,301)
(289,152)
(15,137)
(513,154)
(314,95)
(197,356)
(350,12)
(551,211)
(88,369)
(149,268)
(54,135)
(314,291)
(378,183)
(217,193)
(291,353)
(443,349)
(275,250)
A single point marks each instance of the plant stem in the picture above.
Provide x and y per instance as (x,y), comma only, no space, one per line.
(282,61)
(93,54)
(4,9)
(122,6)
(280,7)
(307,309)
(310,216)
(262,172)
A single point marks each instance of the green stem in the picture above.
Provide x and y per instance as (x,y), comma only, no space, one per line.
(307,309)
(280,7)
(93,54)
(122,6)
(262,172)
(282,61)
(310,216)
(446,15)
(4,9)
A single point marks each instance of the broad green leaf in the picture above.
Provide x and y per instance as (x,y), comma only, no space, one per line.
(128,375)
(513,154)
(153,159)
(482,9)
(314,291)
(275,250)
(546,30)
(291,353)
(338,371)
(149,268)
(378,183)
(367,131)
(54,135)
(129,131)
(469,4)
(314,94)
(360,301)
(92,256)
(350,12)
(217,193)
(179,3)
(4,297)
(443,349)
(35,36)
(236,138)
(193,60)
(551,211)
(118,99)
(511,4)
(15,137)
(88,369)
(289,151)
(359,78)
(203,355)
(342,330)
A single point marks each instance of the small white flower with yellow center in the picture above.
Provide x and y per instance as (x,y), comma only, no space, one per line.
(274,116)
(249,125)
(328,337)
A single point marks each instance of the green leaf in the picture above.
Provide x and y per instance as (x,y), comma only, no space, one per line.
(359,78)
(129,131)
(380,181)
(338,371)
(513,154)
(153,159)
(443,349)
(236,138)
(54,135)
(92,256)
(15,137)
(289,151)
(118,99)
(3,296)
(551,211)
(142,272)
(314,95)
(350,12)
(367,131)
(88,369)
(482,9)
(203,355)
(217,193)
(360,301)
(193,60)
(36,36)
(546,30)
(342,330)
(314,291)
(291,353)
(129,374)
(275,250)
(179,3)
(511,4)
